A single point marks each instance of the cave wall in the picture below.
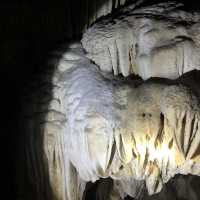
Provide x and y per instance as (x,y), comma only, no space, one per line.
(29,31)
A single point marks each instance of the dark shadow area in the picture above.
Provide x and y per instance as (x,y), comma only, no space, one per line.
(100,190)
(187,4)
(180,187)
(190,79)
(29,32)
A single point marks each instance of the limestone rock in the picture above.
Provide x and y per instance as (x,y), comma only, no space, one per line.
(88,125)
(160,40)
(125,131)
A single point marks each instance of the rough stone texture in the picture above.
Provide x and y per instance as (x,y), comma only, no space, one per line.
(155,41)
(84,124)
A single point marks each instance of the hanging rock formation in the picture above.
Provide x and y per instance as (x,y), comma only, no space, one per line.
(85,123)
(156,41)
(97,126)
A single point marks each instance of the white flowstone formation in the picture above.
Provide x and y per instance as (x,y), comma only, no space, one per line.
(84,123)
(155,41)
(97,126)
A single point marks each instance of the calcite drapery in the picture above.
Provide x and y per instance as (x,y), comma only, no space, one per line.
(93,124)
(119,128)
(156,41)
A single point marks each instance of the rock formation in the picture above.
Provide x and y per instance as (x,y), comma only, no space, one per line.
(86,123)
(97,126)
(156,41)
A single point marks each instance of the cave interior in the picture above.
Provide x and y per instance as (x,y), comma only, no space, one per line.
(30,31)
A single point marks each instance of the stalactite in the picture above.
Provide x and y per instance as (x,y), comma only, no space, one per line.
(83,123)
(155,44)
(133,133)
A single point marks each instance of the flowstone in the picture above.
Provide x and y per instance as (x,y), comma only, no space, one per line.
(97,125)
(160,40)
(85,123)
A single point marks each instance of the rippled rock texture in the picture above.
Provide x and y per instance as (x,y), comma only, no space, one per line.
(156,41)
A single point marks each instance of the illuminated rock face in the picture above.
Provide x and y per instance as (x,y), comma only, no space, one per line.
(91,124)
(156,41)
(102,126)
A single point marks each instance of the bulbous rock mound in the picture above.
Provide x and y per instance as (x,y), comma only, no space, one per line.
(156,41)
